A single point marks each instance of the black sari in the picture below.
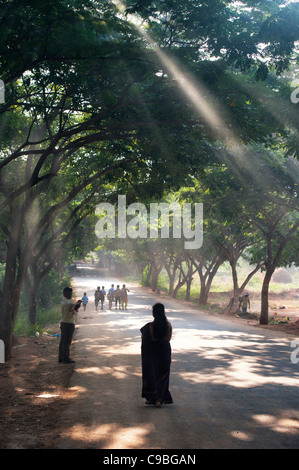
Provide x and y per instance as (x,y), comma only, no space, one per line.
(156,360)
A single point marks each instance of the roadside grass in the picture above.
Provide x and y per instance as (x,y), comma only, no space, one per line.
(47,319)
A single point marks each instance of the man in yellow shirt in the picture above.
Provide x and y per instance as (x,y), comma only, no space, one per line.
(69,310)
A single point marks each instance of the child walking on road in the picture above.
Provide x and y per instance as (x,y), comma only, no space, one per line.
(85,301)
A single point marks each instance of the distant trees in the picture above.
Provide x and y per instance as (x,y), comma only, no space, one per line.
(277,229)
(258,216)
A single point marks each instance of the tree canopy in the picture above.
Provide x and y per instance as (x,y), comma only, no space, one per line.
(138,98)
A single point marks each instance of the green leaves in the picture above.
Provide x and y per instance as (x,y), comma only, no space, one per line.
(237,32)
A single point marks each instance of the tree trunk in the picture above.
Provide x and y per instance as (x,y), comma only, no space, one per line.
(8,313)
(157,270)
(32,308)
(233,303)
(14,275)
(203,296)
(31,289)
(148,275)
(271,264)
(177,288)
(188,288)
(206,281)
(171,276)
(6,331)
(171,286)
(264,317)
(232,306)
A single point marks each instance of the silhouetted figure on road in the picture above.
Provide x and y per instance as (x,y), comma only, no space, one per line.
(156,358)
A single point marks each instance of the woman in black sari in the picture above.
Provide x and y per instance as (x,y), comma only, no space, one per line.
(156,358)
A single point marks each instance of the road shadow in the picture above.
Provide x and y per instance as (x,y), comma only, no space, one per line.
(231,389)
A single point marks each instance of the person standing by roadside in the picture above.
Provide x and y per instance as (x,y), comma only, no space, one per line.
(244,302)
(69,310)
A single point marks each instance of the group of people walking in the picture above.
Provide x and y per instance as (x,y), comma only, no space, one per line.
(155,344)
(117,295)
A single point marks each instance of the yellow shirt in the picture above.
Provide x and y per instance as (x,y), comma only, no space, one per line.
(67,311)
(245,301)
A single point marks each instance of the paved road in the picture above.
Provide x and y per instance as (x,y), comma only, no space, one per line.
(234,386)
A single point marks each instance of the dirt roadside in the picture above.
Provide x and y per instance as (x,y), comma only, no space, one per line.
(34,388)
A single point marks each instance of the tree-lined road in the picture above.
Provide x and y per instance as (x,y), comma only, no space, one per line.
(233,385)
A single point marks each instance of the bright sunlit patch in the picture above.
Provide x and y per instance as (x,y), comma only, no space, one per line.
(131,347)
(281,424)
(90,370)
(242,436)
(47,395)
(77,389)
(129,438)
(120,372)
(212,342)
(233,356)
(239,373)
(112,436)
(290,426)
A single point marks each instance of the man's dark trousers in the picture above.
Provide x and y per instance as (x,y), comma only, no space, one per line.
(67,331)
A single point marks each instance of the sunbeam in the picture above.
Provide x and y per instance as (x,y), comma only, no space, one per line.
(245,161)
